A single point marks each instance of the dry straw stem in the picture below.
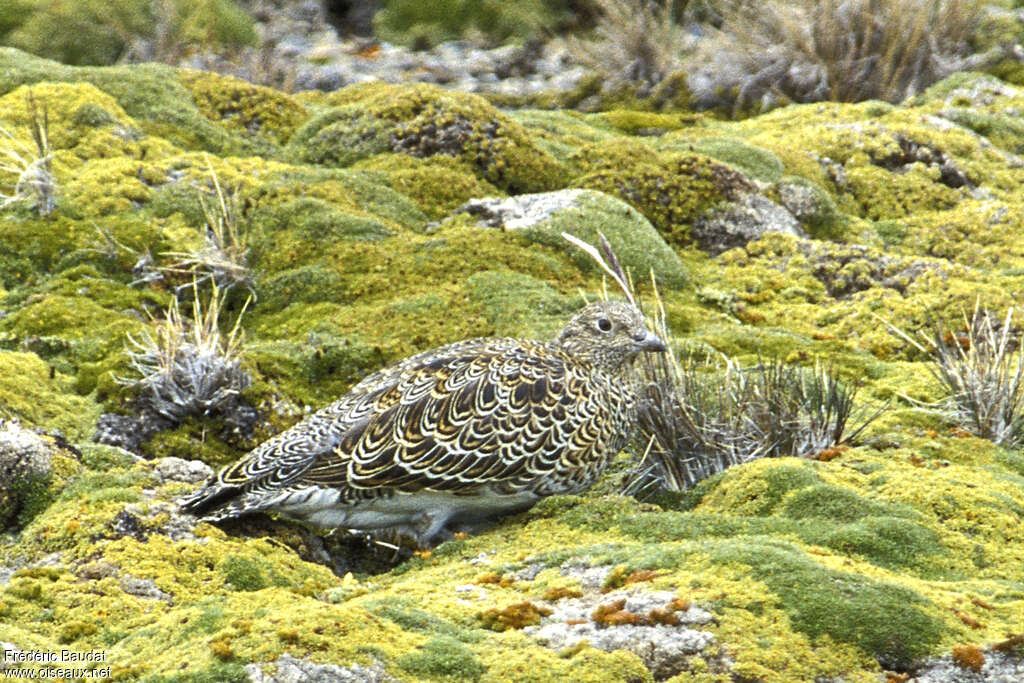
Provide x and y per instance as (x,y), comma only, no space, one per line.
(223,258)
(188,367)
(842,50)
(30,168)
(982,372)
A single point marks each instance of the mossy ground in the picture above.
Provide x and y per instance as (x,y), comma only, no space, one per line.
(830,569)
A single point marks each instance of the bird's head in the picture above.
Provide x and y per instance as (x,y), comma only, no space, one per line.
(607,334)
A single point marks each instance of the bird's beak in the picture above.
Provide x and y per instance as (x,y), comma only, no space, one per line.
(652,342)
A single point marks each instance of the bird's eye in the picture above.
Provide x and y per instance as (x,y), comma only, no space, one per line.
(604,325)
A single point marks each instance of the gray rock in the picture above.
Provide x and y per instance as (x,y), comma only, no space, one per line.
(22,452)
(590,578)
(999,667)
(529,572)
(522,211)
(800,200)
(288,669)
(143,588)
(665,650)
(179,469)
(24,462)
(846,269)
(543,217)
(747,219)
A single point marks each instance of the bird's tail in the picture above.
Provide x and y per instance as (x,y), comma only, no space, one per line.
(212,502)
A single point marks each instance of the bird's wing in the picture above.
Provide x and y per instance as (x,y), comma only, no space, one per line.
(498,412)
(285,457)
(503,414)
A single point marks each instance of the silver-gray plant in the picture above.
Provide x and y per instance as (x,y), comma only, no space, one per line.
(983,373)
(700,416)
(187,367)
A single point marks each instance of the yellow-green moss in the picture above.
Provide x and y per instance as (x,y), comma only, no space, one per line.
(423,120)
(151,94)
(248,109)
(33,393)
(671,193)
(438,184)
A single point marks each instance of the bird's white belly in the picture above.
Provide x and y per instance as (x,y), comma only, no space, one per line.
(423,513)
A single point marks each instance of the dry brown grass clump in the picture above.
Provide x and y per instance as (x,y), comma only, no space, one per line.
(700,416)
(981,369)
(779,51)
(635,41)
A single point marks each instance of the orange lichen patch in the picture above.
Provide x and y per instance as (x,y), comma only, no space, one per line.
(969,620)
(665,616)
(917,461)
(559,592)
(681,604)
(423,554)
(897,678)
(981,603)
(369,52)
(1013,642)
(828,454)
(517,616)
(494,578)
(575,622)
(640,575)
(459,535)
(614,614)
(960,433)
(968,657)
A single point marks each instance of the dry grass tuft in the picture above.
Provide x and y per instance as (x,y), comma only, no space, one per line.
(223,258)
(635,41)
(33,179)
(187,367)
(769,53)
(981,368)
(700,417)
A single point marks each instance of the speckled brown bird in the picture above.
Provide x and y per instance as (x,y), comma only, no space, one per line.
(450,438)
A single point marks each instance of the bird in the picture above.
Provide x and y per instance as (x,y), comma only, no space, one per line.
(451,439)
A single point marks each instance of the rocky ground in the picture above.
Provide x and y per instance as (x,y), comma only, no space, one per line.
(377,220)
(301,50)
